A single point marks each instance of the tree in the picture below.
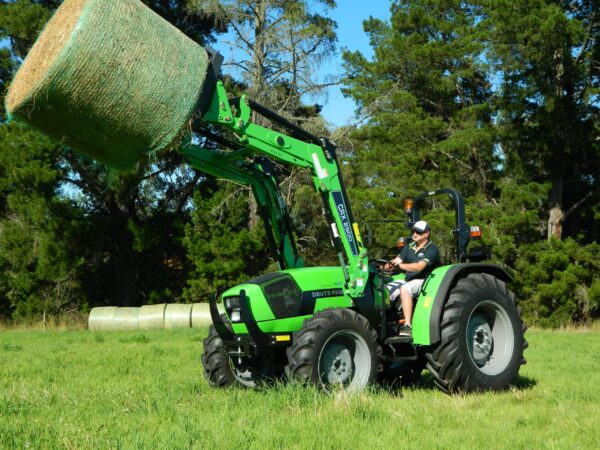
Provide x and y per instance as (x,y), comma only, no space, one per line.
(128,248)
(546,57)
(39,262)
(425,98)
(277,45)
(223,249)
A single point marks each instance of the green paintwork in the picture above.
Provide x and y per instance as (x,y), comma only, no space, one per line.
(313,278)
(258,303)
(283,325)
(324,172)
(308,279)
(239,328)
(333,302)
(424,305)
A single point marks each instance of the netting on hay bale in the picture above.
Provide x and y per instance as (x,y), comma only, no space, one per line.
(201,314)
(125,318)
(152,317)
(111,79)
(178,316)
(101,317)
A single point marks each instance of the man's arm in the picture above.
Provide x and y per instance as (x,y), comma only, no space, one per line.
(412,267)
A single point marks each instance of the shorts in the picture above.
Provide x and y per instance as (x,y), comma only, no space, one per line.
(414,287)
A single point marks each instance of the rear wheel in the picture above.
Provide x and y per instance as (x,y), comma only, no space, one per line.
(335,347)
(482,342)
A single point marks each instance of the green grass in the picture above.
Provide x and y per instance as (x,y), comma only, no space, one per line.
(78,389)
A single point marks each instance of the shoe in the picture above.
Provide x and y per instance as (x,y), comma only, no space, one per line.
(405,330)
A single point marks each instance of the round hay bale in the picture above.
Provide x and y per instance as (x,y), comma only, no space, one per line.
(111,79)
(178,316)
(152,317)
(201,314)
(125,318)
(101,317)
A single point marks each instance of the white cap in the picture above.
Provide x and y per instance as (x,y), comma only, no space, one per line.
(421,226)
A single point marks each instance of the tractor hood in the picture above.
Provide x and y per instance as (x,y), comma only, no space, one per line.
(289,294)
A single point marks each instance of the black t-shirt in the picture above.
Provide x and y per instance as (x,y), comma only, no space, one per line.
(429,253)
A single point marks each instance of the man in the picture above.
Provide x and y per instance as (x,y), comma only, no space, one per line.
(417,259)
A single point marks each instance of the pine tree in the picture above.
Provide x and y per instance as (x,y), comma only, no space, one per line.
(546,57)
(425,99)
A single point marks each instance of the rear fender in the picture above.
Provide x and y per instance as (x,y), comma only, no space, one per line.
(435,291)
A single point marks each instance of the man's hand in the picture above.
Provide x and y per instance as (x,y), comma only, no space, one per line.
(393,263)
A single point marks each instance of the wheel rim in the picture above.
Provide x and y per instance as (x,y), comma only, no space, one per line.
(490,337)
(345,360)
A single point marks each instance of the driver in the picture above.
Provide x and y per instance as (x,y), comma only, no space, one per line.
(417,259)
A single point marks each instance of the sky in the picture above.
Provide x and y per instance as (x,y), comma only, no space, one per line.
(349,15)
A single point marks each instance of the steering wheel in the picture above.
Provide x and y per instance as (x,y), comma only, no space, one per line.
(379,262)
(379,265)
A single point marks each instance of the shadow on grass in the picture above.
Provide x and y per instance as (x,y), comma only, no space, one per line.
(524,383)
(391,386)
(426,382)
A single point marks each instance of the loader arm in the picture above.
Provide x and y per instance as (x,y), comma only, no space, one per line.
(271,205)
(316,155)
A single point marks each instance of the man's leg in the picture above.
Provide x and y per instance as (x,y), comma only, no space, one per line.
(394,289)
(407,305)
(408,291)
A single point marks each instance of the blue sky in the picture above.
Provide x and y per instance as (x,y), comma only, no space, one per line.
(349,16)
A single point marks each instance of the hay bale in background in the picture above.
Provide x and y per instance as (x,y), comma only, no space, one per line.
(201,314)
(125,318)
(101,317)
(111,79)
(152,317)
(178,316)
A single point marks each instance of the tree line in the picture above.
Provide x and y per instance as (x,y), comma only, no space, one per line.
(496,98)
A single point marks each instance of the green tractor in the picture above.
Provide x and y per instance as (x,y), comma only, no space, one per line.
(335,326)
(331,326)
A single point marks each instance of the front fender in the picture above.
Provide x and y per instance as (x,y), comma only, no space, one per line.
(435,290)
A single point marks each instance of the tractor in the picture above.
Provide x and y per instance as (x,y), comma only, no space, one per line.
(335,326)
(329,326)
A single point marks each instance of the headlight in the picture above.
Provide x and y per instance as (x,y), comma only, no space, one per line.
(232,302)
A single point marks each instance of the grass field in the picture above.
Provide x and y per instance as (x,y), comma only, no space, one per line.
(79,389)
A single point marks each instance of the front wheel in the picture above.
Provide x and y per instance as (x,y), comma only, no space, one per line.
(221,370)
(335,347)
(482,337)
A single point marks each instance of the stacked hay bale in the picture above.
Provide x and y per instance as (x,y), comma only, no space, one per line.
(178,316)
(125,318)
(101,317)
(150,317)
(111,79)
(200,315)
